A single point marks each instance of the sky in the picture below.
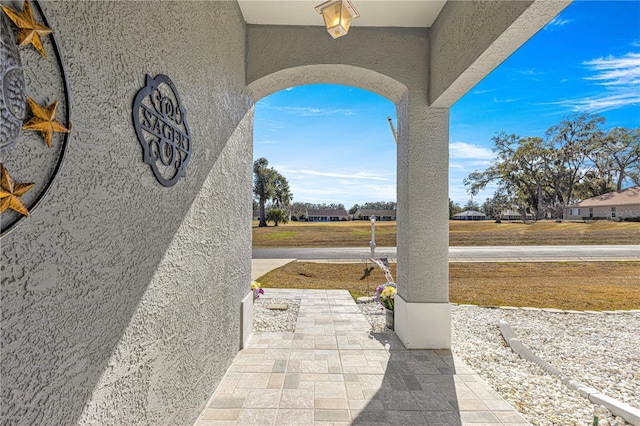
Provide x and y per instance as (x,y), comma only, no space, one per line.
(334,144)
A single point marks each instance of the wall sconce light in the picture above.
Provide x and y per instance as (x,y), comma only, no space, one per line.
(337,16)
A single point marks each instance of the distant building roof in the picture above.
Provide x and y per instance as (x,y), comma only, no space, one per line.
(320,212)
(625,197)
(376,212)
(470,213)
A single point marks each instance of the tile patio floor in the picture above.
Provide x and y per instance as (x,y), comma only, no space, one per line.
(334,371)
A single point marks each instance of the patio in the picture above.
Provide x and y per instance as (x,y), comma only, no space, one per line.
(333,370)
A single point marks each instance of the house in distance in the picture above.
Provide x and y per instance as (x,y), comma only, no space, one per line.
(617,205)
(469,215)
(382,215)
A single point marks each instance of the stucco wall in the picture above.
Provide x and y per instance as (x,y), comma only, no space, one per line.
(386,61)
(622,212)
(470,38)
(120,297)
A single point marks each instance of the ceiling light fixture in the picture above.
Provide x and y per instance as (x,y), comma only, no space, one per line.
(337,16)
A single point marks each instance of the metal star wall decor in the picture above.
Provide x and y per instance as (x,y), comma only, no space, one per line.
(29,31)
(11,192)
(20,67)
(44,120)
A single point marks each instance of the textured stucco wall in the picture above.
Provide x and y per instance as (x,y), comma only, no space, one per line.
(120,298)
(423,191)
(470,38)
(275,53)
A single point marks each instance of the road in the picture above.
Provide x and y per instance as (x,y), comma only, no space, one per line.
(467,254)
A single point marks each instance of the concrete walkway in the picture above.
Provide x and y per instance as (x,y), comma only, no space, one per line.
(259,267)
(334,371)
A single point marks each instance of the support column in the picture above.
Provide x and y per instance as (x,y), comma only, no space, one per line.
(422,310)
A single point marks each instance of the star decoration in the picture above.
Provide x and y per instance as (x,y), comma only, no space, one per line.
(29,31)
(11,192)
(44,120)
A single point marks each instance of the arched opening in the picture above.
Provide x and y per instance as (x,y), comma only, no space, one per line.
(422,272)
(347,75)
(332,143)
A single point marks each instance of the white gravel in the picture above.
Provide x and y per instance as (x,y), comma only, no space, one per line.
(597,350)
(265,319)
(601,351)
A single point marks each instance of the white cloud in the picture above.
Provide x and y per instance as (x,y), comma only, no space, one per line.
(458,193)
(624,71)
(504,101)
(360,175)
(603,103)
(464,159)
(481,92)
(337,192)
(620,78)
(462,150)
(315,112)
(457,166)
(529,71)
(557,22)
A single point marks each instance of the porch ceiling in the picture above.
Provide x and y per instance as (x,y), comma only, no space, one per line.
(373,13)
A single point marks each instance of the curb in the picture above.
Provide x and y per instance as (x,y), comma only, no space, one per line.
(618,408)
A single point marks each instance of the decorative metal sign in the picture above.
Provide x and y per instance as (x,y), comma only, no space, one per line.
(160,121)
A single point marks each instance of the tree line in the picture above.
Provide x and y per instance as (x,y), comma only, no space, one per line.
(575,160)
(271,192)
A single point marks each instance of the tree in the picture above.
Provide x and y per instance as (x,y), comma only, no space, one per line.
(277,216)
(454,208)
(569,141)
(268,184)
(262,185)
(575,160)
(298,210)
(354,209)
(282,195)
(617,156)
(379,205)
(324,206)
(471,205)
(523,171)
(493,207)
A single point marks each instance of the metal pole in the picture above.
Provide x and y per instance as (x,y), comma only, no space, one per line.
(372,243)
(395,135)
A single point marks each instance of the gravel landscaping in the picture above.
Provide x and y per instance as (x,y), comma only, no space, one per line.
(598,350)
(265,319)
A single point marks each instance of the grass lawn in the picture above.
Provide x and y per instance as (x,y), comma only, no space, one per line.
(357,233)
(562,285)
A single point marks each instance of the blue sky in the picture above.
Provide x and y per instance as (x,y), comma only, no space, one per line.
(334,145)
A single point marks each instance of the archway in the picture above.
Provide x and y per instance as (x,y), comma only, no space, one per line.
(370,61)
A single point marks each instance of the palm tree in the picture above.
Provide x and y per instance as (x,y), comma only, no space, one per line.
(262,185)
(269,185)
(282,195)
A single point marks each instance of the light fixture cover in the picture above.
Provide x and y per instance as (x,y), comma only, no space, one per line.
(337,15)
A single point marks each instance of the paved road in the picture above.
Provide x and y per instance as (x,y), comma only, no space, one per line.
(467,254)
